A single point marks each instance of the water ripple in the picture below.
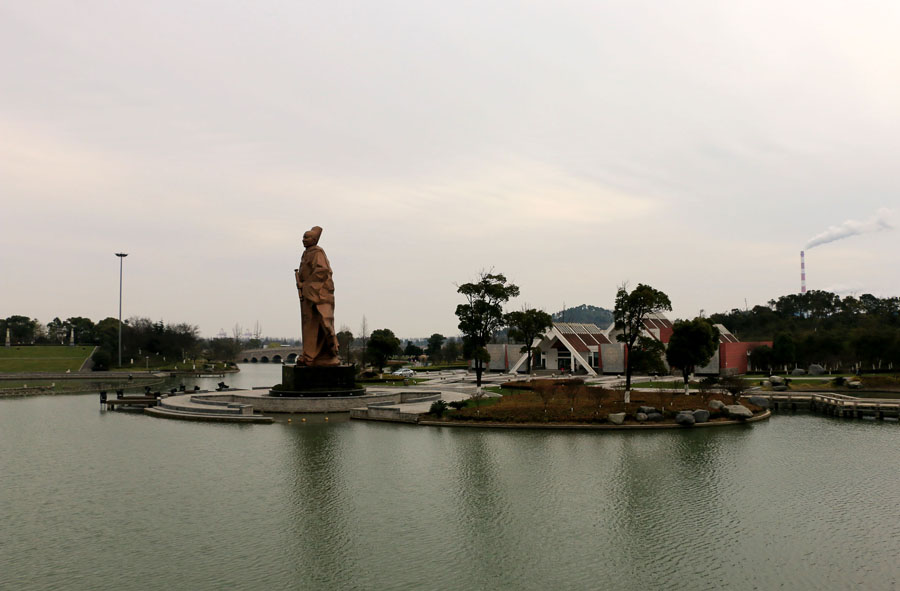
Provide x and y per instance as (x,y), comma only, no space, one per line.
(116,501)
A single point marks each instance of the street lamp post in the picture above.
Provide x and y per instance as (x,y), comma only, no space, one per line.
(121,256)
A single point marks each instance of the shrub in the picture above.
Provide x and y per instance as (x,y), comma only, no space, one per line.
(457,404)
(438,407)
(102,360)
(839,381)
(735,385)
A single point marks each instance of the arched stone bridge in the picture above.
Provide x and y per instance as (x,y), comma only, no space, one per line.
(274,355)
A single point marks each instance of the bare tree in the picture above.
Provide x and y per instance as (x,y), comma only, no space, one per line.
(476,399)
(597,394)
(345,339)
(364,333)
(546,391)
(572,392)
(237,331)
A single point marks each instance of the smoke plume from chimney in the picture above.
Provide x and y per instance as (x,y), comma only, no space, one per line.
(880,221)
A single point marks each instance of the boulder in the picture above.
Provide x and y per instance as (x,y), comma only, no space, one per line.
(798,372)
(716,404)
(775,380)
(654,417)
(646,409)
(685,418)
(701,415)
(765,383)
(759,401)
(640,417)
(780,387)
(616,418)
(855,384)
(738,411)
(816,370)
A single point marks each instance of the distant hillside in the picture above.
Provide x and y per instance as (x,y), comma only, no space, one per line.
(586,314)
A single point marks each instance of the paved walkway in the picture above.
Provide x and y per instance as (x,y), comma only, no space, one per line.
(452,386)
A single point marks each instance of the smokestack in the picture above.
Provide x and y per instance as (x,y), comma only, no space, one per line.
(802,272)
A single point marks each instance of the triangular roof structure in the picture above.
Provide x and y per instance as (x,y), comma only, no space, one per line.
(576,337)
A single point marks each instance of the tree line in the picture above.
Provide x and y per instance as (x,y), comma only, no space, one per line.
(382,345)
(821,327)
(141,337)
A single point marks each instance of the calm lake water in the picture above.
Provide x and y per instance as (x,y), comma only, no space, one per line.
(113,500)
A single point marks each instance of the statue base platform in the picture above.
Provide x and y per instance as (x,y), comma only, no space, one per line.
(318,381)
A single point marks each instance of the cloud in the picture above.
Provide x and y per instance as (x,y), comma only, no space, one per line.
(879,222)
(506,194)
(41,163)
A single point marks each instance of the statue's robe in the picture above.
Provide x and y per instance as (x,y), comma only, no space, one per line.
(316,287)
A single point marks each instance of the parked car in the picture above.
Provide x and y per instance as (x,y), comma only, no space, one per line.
(405,372)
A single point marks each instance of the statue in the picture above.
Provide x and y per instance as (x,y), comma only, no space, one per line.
(316,290)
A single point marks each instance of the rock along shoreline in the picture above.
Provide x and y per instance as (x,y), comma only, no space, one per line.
(576,426)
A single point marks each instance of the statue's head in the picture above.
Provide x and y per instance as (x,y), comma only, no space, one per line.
(311,236)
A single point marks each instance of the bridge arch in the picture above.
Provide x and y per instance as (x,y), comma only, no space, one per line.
(254,360)
(276,359)
(264,359)
(292,358)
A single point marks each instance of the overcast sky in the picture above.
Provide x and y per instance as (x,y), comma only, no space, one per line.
(696,146)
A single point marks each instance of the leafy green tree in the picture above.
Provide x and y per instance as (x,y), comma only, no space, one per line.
(784,352)
(107,333)
(57,331)
(345,339)
(526,326)
(21,330)
(381,346)
(872,347)
(647,356)
(433,349)
(83,329)
(412,350)
(222,349)
(693,343)
(102,360)
(451,351)
(482,314)
(761,358)
(630,312)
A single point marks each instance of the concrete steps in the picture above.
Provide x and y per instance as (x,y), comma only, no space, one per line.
(206,407)
(166,413)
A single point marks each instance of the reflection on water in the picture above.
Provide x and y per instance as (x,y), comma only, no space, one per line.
(97,500)
(319,508)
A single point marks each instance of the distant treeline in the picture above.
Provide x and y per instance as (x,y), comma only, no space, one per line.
(821,327)
(140,337)
(585,314)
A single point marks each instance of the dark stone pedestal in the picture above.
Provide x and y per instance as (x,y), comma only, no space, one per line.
(317,381)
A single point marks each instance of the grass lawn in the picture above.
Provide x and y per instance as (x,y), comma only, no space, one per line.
(889,383)
(43,358)
(503,391)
